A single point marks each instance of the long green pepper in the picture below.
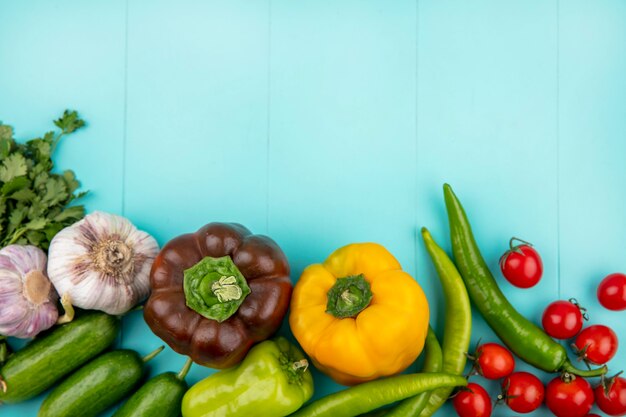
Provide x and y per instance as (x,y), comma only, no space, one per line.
(458,320)
(524,338)
(371,395)
(433,362)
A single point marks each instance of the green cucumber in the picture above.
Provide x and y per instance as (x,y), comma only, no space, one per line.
(161,396)
(96,386)
(5,350)
(35,368)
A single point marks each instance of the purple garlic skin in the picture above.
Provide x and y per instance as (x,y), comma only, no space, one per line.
(28,302)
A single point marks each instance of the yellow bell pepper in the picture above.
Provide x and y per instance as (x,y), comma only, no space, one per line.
(358,315)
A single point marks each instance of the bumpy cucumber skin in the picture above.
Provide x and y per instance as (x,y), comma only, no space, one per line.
(161,396)
(48,358)
(96,386)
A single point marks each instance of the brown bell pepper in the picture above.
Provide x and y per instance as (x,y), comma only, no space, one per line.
(218,291)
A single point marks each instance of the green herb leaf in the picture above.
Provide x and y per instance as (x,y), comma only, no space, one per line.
(70,181)
(6,133)
(25,194)
(69,122)
(36,224)
(73,213)
(40,180)
(14,185)
(34,237)
(41,148)
(56,191)
(6,140)
(33,199)
(13,166)
(51,230)
(15,218)
(37,208)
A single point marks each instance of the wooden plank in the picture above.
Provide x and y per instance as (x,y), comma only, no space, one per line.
(592,174)
(68,55)
(487,125)
(342,130)
(197,126)
(58,55)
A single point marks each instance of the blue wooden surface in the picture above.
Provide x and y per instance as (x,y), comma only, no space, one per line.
(323,123)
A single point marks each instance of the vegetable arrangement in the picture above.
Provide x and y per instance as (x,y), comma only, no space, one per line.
(220,294)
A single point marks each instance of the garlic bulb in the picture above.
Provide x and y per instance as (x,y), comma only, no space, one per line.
(102,262)
(27,299)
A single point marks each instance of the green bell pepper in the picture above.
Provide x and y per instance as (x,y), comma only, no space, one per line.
(273,381)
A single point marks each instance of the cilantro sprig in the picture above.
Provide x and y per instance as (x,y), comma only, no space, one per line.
(34,201)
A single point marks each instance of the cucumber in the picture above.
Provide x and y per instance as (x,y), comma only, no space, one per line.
(161,396)
(96,386)
(5,350)
(48,358)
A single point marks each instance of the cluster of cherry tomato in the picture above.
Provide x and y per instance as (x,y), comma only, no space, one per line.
(566,395)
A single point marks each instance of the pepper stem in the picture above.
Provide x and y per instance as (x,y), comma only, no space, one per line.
(183,372)
(66,302)
(291,361)
(152,354)
(569,368)
(349,296)
(302,364)
(215,288)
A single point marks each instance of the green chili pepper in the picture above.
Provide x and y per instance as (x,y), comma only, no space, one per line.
(433,362)
(458,323)
(272,381)
(524,338)
(371,395)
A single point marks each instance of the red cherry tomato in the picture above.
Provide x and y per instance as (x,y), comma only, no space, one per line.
(521,265)
(563,319)
(472,401)
(612,292)
(596,344)
(573,398)
(494,361)
(613,400)
(522,392)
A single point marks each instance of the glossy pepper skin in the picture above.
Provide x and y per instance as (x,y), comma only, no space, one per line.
(382,338)
(207,341)
(521,336)
(272,381)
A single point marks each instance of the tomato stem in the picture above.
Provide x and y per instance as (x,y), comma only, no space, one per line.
(583,310)
(513,248)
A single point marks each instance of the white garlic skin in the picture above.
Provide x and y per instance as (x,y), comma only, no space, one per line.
(27,299)
(102,262)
